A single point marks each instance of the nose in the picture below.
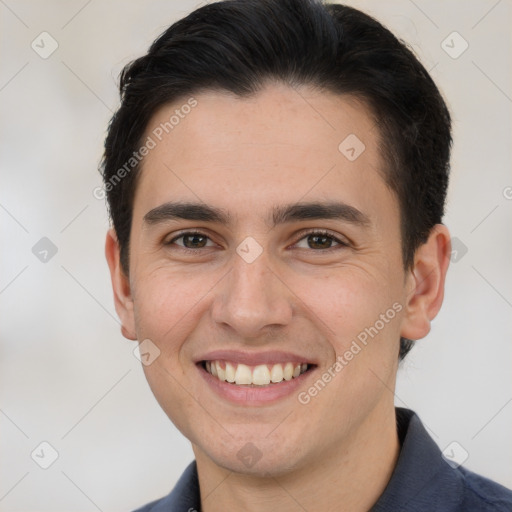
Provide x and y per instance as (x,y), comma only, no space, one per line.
(252,300)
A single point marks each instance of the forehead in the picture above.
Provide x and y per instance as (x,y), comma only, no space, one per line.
(302,118)
(240,153)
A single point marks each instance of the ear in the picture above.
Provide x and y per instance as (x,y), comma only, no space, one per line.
(426,283)
(121,286)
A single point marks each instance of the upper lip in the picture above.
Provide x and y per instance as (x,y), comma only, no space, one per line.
(254,358)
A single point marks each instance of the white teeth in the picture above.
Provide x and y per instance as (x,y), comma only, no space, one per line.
(261,375)
(276,375)
(288,371)
(221,373)
(243,374)
(230,372)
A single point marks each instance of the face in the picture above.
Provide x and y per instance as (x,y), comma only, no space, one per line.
(287,271)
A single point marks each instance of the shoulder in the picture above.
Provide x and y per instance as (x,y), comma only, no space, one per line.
(184,496)
(165,504)
(154,506)
(483,494)
(168,503)
(424,480)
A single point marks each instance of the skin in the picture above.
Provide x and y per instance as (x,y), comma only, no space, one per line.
(245,156)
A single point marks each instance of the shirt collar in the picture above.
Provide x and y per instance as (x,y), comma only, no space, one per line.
(422,480)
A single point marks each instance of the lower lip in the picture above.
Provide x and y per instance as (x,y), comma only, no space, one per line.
(261,395)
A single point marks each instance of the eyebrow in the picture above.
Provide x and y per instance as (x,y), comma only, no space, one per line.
(281,214)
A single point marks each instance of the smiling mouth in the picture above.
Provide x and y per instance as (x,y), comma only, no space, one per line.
(240,374)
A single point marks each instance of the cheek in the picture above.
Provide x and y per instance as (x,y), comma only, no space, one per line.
(165,381)
(359,314)
(347,301)
(165,305)
(166,311)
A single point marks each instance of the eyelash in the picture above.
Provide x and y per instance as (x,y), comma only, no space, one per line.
(321,232)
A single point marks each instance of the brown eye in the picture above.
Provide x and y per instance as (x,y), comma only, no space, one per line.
(190,240)
(319,240)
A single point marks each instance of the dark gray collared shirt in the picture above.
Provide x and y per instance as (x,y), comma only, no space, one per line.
(422,481)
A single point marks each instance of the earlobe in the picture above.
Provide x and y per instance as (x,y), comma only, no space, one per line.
(120,286)
(427,280)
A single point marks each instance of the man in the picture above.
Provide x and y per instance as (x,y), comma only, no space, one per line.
(276,177)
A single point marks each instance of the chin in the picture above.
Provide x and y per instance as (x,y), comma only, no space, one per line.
(274,466)
(255,456)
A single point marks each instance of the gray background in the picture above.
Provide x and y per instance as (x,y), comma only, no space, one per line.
(69,378)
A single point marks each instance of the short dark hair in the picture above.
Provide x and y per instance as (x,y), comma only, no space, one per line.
(241,45)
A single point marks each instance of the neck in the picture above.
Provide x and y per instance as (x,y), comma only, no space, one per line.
(346,478)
